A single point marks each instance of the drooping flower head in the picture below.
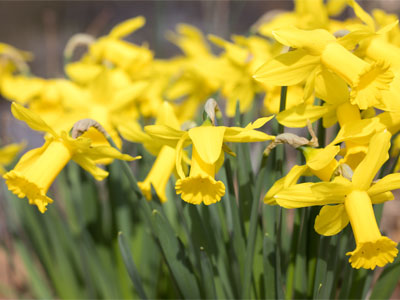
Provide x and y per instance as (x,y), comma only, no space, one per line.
(347,201)
(207,155)
(38,168)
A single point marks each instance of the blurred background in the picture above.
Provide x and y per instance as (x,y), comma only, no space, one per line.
(44,27)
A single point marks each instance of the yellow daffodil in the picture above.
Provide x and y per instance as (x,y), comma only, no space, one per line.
(319,49)
(37,169)
(207,155)
(351,201)
(7,155)
(195,76)
(108,99)
(113,48)
(307,14)
(320,162)
(238,63)
(164,164)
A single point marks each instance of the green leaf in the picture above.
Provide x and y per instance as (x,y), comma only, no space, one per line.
(37,281)
(331,258)
(235,227)
(130,266)
(175,257)
(269,267)
(207,275)
(251,239)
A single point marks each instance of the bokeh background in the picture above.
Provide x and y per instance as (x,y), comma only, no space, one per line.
(44,27)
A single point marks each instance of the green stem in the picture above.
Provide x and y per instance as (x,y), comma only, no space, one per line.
(278,167)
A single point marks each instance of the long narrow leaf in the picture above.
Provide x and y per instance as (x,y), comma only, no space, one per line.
(130,266)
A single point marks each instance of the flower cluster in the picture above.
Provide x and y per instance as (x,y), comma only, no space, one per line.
(345,72)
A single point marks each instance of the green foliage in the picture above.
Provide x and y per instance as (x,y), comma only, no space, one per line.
(106,241)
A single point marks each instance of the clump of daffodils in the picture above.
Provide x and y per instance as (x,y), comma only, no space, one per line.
(305,66)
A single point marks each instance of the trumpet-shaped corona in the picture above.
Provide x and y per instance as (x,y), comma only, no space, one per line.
(159,174)
(366,80)
(372,248)
(201,185)
(36,171)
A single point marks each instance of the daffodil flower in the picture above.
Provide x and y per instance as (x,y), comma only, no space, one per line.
(307,14)
(195,76)
(317,49)
(164,164)
(351,201)
(320,162)
(207,155)
(38,168)
(122,54)
(238,63)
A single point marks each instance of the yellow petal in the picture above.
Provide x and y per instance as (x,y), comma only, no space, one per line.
(388,27)
(179,153)
(208,142)
(336,189)
(101,152)
(313,41)
(302,195)
(388,183)
(20,88)
(299,115)
(359,131)
(376,156)
(90,166)
(159,174)
(390,120)
(382,197)
(330,87)
(284,182)
(287,69)
(335,7)
(167,135)
(133,132)
(30,118)
(82,72)
(331,220)
(234,52)
(362,14)
(127,27)
(243,135)
(350,40)
(323,157)
(166,116)
(258,123)
(125,96)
